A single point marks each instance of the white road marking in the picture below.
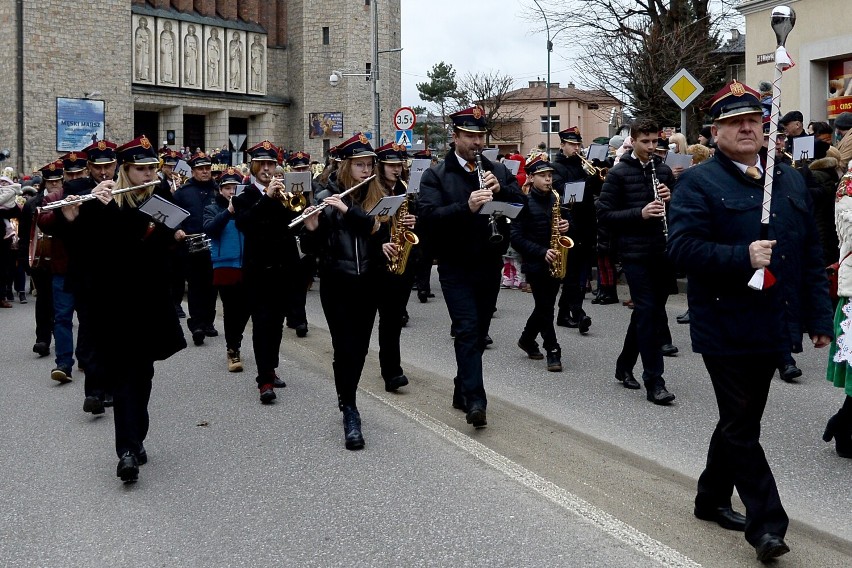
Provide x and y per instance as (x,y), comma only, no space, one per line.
(615,528)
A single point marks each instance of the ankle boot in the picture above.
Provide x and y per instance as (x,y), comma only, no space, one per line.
(352,428)
(554,360)
(840,429)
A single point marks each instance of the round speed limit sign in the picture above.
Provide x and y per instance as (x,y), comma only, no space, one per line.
(404,119)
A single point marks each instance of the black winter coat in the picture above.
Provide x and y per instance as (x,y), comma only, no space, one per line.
(531,231)
(456,235)
(194,196)
(270,246)
(715,216)
(626,190)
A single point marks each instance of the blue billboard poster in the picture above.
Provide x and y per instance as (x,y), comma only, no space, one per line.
(325,125)
(79,122)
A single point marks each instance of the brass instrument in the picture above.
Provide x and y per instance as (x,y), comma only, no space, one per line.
(558,242)
(403,238)
(654,183)
(323,205)
(592,169)
(496,236)
(198,242)
(89,196)
(296,202)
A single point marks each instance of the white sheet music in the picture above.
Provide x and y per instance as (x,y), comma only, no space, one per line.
(491,154)
(183,168)
(575,189)
(164,211)
(513,165)
(510,210)
(803,148)
(298,182)
(674,160)
(418,166)
(597,152)
(387,205)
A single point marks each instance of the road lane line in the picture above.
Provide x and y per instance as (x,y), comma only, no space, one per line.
(610,525)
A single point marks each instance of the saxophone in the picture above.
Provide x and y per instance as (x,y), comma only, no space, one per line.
(559,243)
(403,238)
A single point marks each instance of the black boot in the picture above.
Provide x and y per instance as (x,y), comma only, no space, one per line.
(128,468)
(839,427)
(530,347)
(554,360)
(352,428)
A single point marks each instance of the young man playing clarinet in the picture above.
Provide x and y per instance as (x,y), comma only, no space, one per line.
(532,236)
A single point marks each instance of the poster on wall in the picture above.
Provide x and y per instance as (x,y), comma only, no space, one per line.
(79,122)
(325,125)
(839,87)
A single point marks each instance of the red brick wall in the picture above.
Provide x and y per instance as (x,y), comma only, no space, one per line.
(159,3)
(227,9)
(205,7)
(182,5)
(249,10)
(281,23)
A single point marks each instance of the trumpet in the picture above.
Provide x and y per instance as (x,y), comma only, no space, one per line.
(89,196)
(592,169)
(323,205)
(296,201)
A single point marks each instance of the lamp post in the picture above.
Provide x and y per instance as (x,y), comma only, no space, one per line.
(549,50)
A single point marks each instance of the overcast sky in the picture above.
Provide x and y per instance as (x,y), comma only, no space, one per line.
(476,35)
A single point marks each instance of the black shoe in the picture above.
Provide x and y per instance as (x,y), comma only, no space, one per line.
(422,296)
(725,517)
(302,330)
(61,375)
(841,431)
(142,456)
(128,468)
(198,337)
(606,300)
(554,361)
(459,403)
(179,311)
(210,331)
(567,321)
(354,440)
(683,318)
(394,383)
(488,341)
(267,393)
(790,373)
(584,325)
(452,332)
(405,319)
(531,349)
(627,378)
(93,404)
(22,297)
(669,350)
(770,546)
(659,395)
(476,417)
(42,348)
(108,401)
(597,299)
(278,382)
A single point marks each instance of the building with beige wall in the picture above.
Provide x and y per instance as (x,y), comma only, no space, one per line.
(597,114)
(820,84)
(198,70)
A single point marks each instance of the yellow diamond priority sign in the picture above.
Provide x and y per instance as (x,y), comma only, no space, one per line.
(683,88)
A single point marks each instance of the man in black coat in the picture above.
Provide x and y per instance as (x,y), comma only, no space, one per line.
(635,214)
(196,194)
(469,264)
(717,237)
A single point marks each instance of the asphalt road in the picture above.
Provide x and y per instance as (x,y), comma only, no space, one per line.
(573,470)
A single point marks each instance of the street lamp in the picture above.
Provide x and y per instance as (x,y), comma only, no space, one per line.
(549,50)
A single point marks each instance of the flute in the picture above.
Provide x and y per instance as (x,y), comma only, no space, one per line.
(89,196)
(323,205)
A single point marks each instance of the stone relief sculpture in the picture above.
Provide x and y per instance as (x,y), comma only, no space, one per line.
(190,57)
(256,77)
(167,54)
(214,58)
(142,50)
(236,58)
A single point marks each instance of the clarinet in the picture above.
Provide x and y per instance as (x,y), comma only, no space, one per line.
(654,183)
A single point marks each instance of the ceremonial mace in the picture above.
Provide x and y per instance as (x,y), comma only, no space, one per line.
(783,19)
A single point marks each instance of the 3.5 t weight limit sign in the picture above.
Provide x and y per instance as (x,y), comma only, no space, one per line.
(404,118)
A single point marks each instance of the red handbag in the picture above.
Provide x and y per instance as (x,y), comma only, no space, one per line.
(832,271)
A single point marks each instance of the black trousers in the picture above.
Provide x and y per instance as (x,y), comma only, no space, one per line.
(544,289)
(735,457)
(130,382)
(267,306)
(471,294)
(43,282)
(422,257)
(235,313)
(350,305)
(201,295)
(392,293)
(89,357)
(649,283)
(574,285)
(297,291)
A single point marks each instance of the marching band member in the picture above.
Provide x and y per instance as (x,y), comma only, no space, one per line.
(269,259)
(347,241)
(394,289)
(196,194)
(532,236)
(170,181)
(469,264)
(124,284)
(297,318)
(226,252)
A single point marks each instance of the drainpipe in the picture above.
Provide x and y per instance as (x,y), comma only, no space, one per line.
(19,14)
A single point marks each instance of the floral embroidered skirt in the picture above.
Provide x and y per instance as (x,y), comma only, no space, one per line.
(839,371)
